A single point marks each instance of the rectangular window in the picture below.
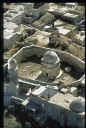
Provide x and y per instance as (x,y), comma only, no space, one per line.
(74,119)
(69,118)
(59,114)
(48,108)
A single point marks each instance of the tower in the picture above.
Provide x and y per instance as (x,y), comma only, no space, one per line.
(13,71)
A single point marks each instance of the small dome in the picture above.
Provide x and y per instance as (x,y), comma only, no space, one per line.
(78,105)
(50,57)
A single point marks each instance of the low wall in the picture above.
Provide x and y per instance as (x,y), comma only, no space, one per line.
(16,100)
(26,85)
(18,56)
(64,56)
(36,82)
(28,51)
(76,83)
(71,59)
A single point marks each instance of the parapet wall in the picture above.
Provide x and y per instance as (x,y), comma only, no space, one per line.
(37,12)
(36,82)
(18,56)
(71,59)
(26,85)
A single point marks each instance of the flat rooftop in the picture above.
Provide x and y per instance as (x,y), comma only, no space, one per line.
(10,25)
(46,17)
(8,33)
(70,15)
(58,8)
(63,100)
(39,90)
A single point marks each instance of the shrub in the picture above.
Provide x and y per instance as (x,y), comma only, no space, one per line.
(80,90)
(13,123)
(10,115)
(5,112)
(27,124)
(18,125)
(11,108)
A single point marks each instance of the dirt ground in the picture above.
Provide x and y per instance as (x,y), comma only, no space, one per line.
(32,72)
(34,63)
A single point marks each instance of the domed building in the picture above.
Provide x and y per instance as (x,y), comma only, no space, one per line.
(50,64)
(78,105)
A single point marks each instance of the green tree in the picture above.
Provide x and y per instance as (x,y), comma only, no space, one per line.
(18,125)
(27,124)
(11,108)
(5,112)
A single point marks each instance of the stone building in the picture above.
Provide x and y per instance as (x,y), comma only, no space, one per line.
(64,108)
(50,64)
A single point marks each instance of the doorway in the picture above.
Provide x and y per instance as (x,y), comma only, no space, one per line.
(47,74)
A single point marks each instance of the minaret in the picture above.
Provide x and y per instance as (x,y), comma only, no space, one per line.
(13,71)
(14,87)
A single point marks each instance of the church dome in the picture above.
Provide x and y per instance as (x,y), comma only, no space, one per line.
(50,57)
(78,105)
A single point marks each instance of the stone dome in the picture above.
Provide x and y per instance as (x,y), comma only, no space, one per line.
(50,57)
(78,105)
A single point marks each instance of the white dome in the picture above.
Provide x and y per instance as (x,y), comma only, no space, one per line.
(78,105)
(50,57)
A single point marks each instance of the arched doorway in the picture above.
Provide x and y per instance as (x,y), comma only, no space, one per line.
(47,74)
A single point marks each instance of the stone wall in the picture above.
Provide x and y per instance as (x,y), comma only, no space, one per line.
(26,85)
(76,83)
(64,56)
(28,51)
(71,59)
(36,12)
(6,87)
(8,42)
(5,69)
(18,56)
(19,18)
(36,82)
(58,113)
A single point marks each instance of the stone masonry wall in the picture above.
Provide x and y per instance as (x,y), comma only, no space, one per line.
(26,86)
(64,56)
(58,113)
(5,68)
(18,56)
